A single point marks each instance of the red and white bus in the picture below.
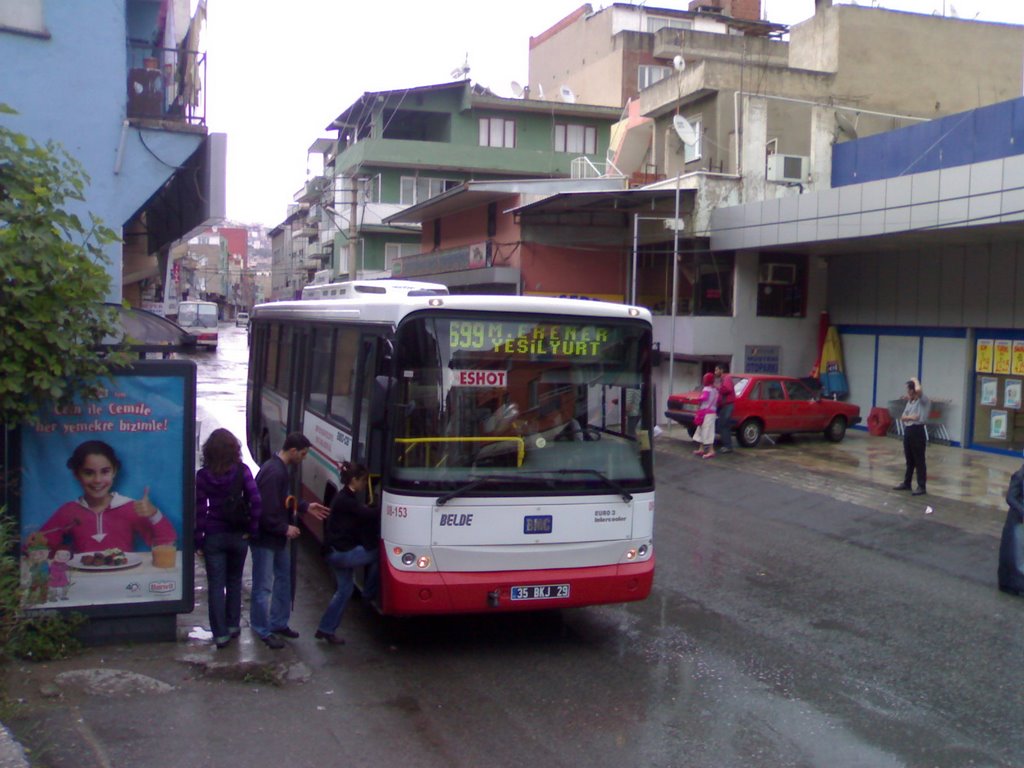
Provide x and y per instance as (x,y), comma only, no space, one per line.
(508,474)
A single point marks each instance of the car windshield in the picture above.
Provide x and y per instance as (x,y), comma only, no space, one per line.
(535,404)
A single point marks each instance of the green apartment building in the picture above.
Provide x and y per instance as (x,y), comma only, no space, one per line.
(398,148)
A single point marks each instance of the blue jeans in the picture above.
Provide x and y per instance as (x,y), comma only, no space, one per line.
(271,589)
(724,426)
(225,560)
(342,564)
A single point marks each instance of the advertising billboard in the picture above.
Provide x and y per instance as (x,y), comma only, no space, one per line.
(106,499)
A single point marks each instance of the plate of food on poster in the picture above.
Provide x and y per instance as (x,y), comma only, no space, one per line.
(105,560)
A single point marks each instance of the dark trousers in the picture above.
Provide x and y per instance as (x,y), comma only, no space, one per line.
(914,442)
(724,426)
(225,561)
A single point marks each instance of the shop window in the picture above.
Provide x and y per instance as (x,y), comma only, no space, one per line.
(713,284)
(782,285)
(998,387)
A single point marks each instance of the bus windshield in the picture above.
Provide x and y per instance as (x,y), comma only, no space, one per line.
(193,314)
(536,404)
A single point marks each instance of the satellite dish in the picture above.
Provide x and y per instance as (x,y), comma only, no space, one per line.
(461,73)
(540,91)
(566,94)
(847,127)
(517,89)
(679,63)
(686,132)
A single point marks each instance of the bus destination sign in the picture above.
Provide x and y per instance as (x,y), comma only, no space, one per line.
(533,339)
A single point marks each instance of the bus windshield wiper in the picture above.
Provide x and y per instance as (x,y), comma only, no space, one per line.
(475,483)
(626,495)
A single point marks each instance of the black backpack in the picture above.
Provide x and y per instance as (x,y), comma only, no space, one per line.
(235,509)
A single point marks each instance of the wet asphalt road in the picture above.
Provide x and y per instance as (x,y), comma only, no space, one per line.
(785,629)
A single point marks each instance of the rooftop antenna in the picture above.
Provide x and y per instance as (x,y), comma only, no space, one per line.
(460,73)
(566,94)
(517,90)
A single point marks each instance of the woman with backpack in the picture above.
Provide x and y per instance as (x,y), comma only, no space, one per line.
(227,514)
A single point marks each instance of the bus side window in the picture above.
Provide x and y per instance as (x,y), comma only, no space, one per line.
(320,369)
(346,346)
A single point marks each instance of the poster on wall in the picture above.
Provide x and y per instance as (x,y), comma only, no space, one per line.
(983,356)
(1011,395)
(997,425)
(989,391)
(106,504)
(763,358)
(1017,367)
(1002,357)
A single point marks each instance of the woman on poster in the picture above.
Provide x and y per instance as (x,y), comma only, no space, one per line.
(101,518)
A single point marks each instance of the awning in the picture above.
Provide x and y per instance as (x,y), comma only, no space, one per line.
(142,331)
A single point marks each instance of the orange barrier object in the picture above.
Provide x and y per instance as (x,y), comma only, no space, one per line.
(879,422)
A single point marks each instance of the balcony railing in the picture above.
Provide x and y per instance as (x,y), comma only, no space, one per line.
(166,84)
(583,167)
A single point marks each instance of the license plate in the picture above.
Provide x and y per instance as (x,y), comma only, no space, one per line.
(540,592)
(537,524)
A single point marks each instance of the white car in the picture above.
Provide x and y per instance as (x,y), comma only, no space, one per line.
(242,320)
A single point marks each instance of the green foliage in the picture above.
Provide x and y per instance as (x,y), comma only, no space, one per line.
(52,282)
(33,635)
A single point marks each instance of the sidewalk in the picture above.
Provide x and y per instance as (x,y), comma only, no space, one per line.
(965,488)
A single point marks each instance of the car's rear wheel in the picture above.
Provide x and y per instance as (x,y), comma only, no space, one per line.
(749,433)
(836,429)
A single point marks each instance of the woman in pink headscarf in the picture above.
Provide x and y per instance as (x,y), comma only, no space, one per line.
(707,416)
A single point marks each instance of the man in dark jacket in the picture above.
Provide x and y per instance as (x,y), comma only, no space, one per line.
(271,565)
(726,400)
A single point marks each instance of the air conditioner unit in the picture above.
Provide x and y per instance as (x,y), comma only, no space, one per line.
(793,168)
(778,274)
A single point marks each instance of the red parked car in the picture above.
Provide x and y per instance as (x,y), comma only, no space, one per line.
(778,405)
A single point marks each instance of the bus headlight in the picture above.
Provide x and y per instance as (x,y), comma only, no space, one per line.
(423,562)
(408,558)
(631,554)
(642,552)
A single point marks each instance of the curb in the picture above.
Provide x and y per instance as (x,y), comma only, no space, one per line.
(11,753)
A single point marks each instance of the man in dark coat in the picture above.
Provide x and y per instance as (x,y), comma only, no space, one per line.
(271,564)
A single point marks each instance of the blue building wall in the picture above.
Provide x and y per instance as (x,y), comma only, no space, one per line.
(72,88)
(987,133)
